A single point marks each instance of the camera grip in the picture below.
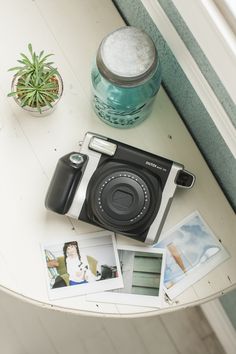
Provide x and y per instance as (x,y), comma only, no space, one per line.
(64,182)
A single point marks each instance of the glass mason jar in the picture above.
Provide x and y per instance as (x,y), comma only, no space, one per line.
(126,77)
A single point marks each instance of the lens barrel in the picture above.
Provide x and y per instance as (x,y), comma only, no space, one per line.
(122,199)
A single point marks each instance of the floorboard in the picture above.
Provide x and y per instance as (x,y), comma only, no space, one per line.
(191,333)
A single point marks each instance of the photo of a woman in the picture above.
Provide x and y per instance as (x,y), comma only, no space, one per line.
(77,268)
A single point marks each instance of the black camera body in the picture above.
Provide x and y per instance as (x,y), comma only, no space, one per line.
(117,187)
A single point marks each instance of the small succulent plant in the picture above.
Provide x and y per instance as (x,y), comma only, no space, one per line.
(36,81)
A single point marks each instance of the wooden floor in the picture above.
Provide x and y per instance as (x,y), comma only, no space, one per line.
(29,329)
(188,332)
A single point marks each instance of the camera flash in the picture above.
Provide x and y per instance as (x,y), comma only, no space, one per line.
(102,146)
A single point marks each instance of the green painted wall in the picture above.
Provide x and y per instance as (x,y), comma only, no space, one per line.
(228,301)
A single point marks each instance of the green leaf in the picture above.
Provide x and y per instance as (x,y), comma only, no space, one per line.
(15,68)
(12,94)
(24,63)
(25,59)
(52,97)
(45,57)
(44,100)
(37,78)
(27,79)
(30,48)
(50,74)
(24,101)
(49,63)
(31,100)
(41,54)
(38,107)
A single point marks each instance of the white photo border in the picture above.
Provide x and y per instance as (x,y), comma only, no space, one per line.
(83,289)
(134,299)
(198,272)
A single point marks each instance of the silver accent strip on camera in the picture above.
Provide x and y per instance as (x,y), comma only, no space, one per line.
(167,196)
(80,195)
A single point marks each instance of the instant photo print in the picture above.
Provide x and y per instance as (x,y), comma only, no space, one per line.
(142,270)
(192,251)
(83,265)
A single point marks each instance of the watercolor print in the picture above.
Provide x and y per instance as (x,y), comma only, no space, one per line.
(192,250)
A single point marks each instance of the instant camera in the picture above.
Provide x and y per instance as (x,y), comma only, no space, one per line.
(117,187)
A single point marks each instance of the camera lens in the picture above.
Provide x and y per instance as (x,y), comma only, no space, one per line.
(121,199)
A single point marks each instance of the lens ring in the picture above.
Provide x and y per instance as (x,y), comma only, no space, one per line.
(122,198)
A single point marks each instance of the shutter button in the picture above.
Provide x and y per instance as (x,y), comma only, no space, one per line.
(76,160)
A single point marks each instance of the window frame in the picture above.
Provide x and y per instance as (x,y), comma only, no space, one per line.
(224,63)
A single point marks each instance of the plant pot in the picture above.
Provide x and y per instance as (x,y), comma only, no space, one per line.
(45,110)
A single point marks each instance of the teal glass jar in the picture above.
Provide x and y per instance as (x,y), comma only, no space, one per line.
(126,77)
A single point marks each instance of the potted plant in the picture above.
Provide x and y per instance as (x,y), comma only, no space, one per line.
(37,86)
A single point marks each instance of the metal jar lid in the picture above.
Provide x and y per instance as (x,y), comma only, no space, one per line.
(127,57)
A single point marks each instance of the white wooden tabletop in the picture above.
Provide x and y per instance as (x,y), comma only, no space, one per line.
(30,148)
